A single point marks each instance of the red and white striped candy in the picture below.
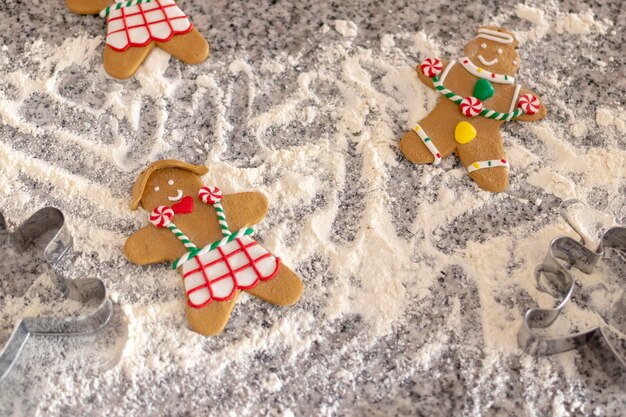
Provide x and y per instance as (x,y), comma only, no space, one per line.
(431,67)
(471,106)
(210,195)
(161,216)
(529,103)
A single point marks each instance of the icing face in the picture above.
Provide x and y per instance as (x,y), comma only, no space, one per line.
(493,56)
(168,186)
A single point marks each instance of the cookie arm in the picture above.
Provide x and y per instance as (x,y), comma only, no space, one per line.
(244,209)
(537,116)
(87,6)
(148,245)
(428,82)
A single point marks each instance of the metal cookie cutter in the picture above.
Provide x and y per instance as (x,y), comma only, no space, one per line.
(45,222)
(574,254)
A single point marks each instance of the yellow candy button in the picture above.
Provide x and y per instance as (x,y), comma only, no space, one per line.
(464,132)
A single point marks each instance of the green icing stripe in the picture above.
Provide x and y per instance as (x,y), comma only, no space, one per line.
(226,239)
(117,6)
(222,218)
(494,114)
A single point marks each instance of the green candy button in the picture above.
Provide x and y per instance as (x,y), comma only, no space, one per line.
(483,89)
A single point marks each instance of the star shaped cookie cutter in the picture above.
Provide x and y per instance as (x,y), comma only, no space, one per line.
(565,253)
(44,222)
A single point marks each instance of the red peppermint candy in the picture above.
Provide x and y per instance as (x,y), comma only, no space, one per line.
(431,67)
(529,103)
(161,216)
(471,106)
(210,195)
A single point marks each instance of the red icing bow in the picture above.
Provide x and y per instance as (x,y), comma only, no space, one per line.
(183,206)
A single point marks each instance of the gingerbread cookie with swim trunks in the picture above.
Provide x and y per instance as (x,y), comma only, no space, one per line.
(136,27)
(479,93)
(208,238)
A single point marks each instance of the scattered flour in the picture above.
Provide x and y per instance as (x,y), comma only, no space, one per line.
(387,42)
(541,24)
(580,24)
(347,28)
(374,272)
(607,117)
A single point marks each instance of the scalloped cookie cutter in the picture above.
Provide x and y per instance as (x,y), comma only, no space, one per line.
(574,254)
(45,221)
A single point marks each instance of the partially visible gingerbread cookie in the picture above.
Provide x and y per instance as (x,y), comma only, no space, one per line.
(135,27)
(208,238)
(479,94)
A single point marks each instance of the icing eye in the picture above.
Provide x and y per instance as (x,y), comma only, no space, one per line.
(515,62)
(156,188)
(483,45)
(171,182)
(499,50)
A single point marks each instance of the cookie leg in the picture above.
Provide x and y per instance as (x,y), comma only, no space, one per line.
(211,319)
(486,163)
(124,64)
(284,289)
(420,148)
(191,47)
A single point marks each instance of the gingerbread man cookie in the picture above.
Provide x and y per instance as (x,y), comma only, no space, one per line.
(479,94)
(208,238)
(135,27)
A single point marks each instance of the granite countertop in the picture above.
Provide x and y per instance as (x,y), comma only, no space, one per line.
(416,280)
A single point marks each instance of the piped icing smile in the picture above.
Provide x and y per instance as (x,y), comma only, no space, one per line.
(482,73)
(177,196)
(488,63)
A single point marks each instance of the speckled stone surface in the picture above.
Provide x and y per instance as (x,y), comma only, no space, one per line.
(425,363)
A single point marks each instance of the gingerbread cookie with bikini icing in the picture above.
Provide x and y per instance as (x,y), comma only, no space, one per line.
(136,27)
(208,238)
(478,93)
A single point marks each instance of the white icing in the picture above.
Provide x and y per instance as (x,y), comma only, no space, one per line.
(518,87)
(177,197)
(156,188)
(488,63)
(170,182)
(214,270)
(481,73)
(445,72)
(494,35)
(127,26)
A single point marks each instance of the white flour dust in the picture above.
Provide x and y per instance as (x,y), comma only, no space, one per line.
(325,153)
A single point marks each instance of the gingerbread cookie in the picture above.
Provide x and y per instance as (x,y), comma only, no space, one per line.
(479,94)
(135,27)
(208,238)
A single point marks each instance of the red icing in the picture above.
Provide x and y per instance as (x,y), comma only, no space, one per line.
(143,23)
(224,257)
(184,206)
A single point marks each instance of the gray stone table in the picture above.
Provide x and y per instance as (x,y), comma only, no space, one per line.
(416,280)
